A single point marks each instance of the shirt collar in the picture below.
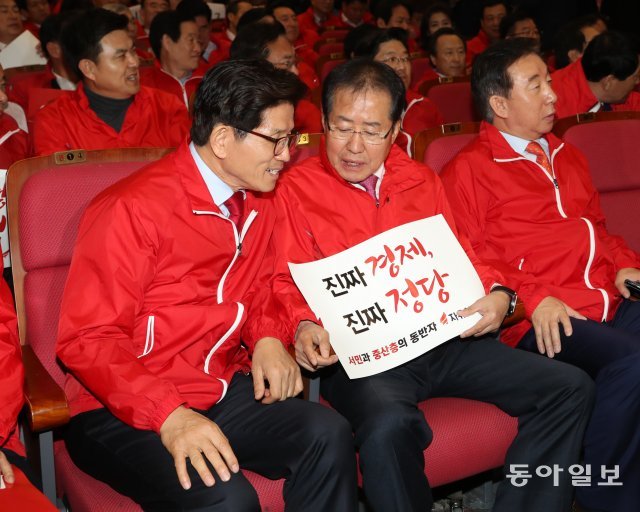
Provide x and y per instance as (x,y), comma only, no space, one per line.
(218,189)
(64,83)
(519,145)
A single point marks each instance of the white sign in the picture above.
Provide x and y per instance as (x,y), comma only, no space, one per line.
(22,51)
(393,297)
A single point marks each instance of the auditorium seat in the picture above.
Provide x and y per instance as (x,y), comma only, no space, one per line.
(419,66)
(328,48)
(453,98)
(326,63)
(308,145)
(609,140)
(436,146)
(46,198)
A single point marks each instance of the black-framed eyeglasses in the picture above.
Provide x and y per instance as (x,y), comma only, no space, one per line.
(369,137)
(280,144)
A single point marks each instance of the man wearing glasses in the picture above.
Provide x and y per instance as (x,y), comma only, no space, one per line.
(163,331)
(361,185)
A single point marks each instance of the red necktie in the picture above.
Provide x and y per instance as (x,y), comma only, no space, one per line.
(370,186)
(541,157)
(235,205)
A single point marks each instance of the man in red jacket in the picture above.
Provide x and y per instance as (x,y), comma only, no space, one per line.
(109,109)
(174,40)
(166,329)
(492,13)
(603,79)
(526,202)
(325,209)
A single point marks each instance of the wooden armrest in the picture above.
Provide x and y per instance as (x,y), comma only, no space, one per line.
(517,316)
(46,402)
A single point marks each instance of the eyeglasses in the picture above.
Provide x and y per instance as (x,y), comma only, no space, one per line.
(396,60)
(371,138)
(280,144)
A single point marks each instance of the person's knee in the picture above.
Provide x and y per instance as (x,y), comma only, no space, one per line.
(396,425)
(575,387)
(236,495)
(331,433)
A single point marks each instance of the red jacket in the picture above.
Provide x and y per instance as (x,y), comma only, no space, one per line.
(421,113)
(427,76)
(545,240)
(14,143)
(154,119)
(308,76)
(307,118)
(304,46)
(222,41)
(307,21)
(477,45)
(156,77)
(158,296)
(332,215)
(22,85)
(575,96)
(11,373)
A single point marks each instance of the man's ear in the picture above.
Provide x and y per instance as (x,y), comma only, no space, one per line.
(499,106)
(380,23)
(164,43)
(220,140)
(54,50)
(88,68)
(432,58)
(395,131)
(607,82)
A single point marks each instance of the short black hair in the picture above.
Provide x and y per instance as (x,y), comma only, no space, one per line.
(490,75)
(362,74)
(358,37)
(349,2)
(384,10)
(252,41)
(22,4)
(508,23)
(166,23)
(232,6)
(371,45)
(252,16)
(194,8)
(51,30)
(568,38)
(82,35)
(492,3)
(610,53)
(432,47)
(236,93)
(280,4)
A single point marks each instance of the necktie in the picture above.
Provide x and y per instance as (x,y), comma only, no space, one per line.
(370,186)
(235,205)
(606,107)
(541,157)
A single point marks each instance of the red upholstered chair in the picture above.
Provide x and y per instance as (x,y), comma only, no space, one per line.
(326,63)
(46,197)
(308,145)
(419,65)
(609,140)
(436,146)
(329,48)
(453,98)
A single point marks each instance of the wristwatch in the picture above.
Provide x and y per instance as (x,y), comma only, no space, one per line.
(513,297)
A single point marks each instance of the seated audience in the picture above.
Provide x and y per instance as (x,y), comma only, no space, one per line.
(148,11)
(520,24)
(354,13)
(199,10)
(492,13)
(143,50)
(109,109)
(358,38)
(390,47)
(319,16)
(396,14)
(360,186)
(165,330)
(269,41)
(14,141)
(447,53)
(174,40)
(591,26)
(568,45)
(34,12)
(57,74)
(526,202)
(223,40)
(303,41)
(603,79)
(10,22)
(435,17)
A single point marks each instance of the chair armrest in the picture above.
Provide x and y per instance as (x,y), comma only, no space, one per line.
(45,400)
(517,316)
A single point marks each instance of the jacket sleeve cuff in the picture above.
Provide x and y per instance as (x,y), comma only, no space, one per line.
(164,409)
(531,296)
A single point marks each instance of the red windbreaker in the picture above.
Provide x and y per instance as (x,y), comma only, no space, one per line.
(545,239)
(159,296)
(154,119)
(11,373)
(156,77)
(307,21)
(575,96)
(322,214)
(421,113)
(14,143)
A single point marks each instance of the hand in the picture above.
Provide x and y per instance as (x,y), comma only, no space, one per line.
(626,273)
(492,307)
(271,362)
(186,433)
(5,469)
(546,319)
(313,349)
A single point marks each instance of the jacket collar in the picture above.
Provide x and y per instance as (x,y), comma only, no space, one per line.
(500,148)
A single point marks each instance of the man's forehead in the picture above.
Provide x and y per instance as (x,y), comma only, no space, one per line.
(528,67)
(116,40)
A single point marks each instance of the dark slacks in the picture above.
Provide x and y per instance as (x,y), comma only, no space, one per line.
(308,444)
(610,353)
(552,403)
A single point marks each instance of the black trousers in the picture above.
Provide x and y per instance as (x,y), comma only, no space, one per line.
(306,443)
(610,353)
(552,402)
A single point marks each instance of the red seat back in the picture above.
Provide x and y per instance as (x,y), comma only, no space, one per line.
(454,101)
(437,146)
(329,48)
(419,66)
(611,150)
(308,146)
